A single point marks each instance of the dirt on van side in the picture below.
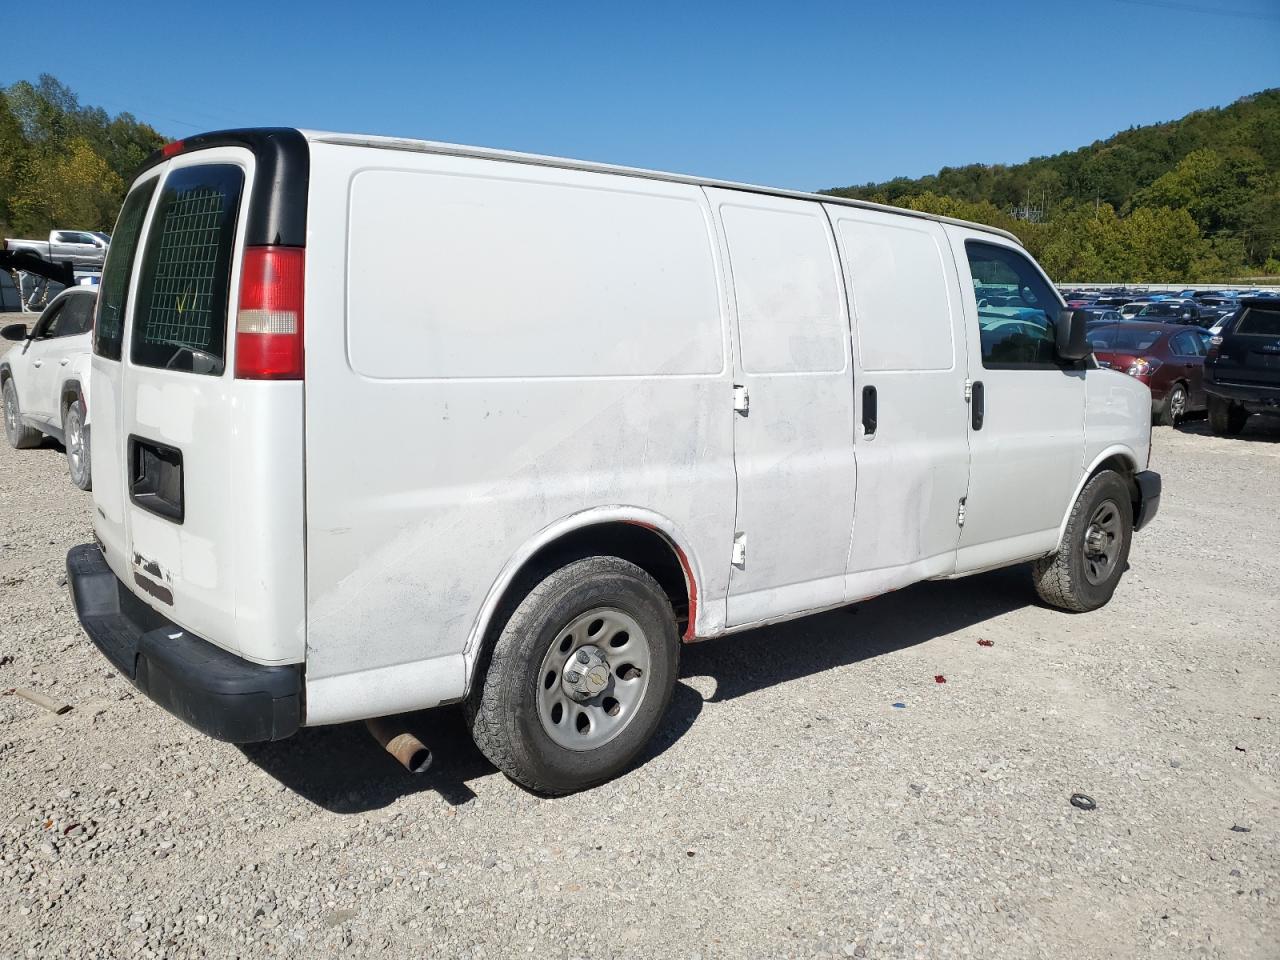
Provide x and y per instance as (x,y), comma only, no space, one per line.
(816,791)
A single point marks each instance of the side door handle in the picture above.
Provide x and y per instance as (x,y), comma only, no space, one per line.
(978,404)
(37,363)
(64,361)
(870,411)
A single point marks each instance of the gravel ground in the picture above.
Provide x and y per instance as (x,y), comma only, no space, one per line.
(786,809)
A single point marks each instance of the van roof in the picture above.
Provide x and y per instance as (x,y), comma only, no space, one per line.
(487,153)
(280,148)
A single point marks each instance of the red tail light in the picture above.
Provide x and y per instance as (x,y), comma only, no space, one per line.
(269,322)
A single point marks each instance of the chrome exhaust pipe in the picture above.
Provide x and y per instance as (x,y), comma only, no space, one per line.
(410,752)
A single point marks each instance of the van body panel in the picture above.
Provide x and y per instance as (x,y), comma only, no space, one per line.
(384,691)
(1114,402)
(1026,459)
(423,477)
(909,347)
(793,443)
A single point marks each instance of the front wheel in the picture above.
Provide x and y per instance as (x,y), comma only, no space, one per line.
(20,436)
(1086,568)
(579,678)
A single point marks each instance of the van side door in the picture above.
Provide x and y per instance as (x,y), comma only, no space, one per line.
(1026,432)
(909,372)
(793,426)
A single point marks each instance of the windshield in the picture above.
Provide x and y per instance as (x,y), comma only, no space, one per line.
(1161,310)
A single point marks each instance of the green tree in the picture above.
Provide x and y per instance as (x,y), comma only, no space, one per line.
(64,164)
(13,152)
(66,185)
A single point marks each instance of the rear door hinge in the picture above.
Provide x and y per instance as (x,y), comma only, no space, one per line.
(960,513)
(739,550)
(741,399)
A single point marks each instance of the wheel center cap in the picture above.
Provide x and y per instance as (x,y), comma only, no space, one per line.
(1095,540)
(586,673)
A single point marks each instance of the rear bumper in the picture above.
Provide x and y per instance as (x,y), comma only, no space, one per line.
(214,691)
(1256,399)
(1148,498)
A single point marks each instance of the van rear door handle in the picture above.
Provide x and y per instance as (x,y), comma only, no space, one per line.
(37,363)
(978,404)
(870,412)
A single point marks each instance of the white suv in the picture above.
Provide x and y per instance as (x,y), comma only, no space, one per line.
(45,379)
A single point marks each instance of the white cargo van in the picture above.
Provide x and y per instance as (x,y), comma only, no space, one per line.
(594,412)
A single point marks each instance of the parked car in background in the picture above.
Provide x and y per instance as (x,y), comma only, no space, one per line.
(1170,311)
(1132,308)
(1215,327)
(1242,369)
(45,379)
(1102,314)
(1169,360)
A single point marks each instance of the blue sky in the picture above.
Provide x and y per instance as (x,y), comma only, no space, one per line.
(803,94)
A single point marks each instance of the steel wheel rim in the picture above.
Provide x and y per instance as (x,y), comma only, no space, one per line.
(607,638)
(75,441)
(1178,402)
(1102,539)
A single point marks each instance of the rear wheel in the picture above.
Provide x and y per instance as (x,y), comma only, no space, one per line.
(76,435)
(1226,418)
(579,678)
(1084,572)
(1174,409)
(20,436)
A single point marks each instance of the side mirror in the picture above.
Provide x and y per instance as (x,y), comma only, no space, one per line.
(1070,340)
(14,331)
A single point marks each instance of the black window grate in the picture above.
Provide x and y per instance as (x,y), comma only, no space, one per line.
(186,266)
(181,317)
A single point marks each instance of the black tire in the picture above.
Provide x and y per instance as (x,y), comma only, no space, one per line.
(76,437)
(1226,418)
(21,437)
(502,708)
(1070,578)
(1166,416)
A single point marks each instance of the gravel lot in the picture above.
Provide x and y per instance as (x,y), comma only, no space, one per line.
(787,808)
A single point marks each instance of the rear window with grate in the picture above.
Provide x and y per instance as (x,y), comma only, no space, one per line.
(181,319)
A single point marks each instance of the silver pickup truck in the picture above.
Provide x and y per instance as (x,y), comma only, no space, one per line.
(83,248)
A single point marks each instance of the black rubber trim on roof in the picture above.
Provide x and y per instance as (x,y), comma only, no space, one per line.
(278,199)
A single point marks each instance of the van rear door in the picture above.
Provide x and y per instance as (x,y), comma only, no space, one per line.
(207,466)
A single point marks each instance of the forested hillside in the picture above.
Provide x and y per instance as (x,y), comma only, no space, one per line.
(1193,199)
(62,164)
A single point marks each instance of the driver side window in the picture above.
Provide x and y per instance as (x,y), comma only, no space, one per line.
(1017,309)
(48,324)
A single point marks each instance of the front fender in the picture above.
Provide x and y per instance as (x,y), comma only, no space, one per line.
(1118,450)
